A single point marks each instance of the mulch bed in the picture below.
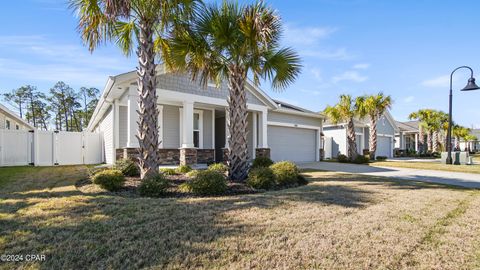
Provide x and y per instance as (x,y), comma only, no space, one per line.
(132,183)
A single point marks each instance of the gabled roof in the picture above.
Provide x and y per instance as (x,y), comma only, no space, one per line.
(13,115)
(409,126)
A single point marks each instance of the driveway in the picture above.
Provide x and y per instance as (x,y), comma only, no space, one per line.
(468,180)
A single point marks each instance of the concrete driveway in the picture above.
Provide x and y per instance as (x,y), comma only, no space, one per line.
(468,180)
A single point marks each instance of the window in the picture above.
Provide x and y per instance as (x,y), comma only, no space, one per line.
(7,124)
(196,130)
(17,127)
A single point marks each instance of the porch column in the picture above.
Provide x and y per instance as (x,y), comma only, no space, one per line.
(416,142)
(227,131)
(188,152)
(262,126)
(254,133)
(132,118)
(187,127)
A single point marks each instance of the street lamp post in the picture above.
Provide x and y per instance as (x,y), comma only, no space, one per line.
(470,86)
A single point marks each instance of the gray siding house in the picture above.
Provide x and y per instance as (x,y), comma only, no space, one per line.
(192,122)
(10,120)
(335,140)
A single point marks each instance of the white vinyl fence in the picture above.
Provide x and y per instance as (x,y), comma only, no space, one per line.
(48,148)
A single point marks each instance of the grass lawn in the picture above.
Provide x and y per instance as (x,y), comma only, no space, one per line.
(429,166)
(337,221)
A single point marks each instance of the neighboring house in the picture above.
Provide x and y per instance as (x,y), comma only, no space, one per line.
(10,120)
(336,136)
(474,145)
(192,122)
(407,136)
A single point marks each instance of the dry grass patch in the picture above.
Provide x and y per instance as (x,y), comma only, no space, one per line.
(429,166)
(338,221)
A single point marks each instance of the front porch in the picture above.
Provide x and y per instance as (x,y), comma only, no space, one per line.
(190,132)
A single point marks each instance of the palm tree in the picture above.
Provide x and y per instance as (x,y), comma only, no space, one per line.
(469,138)
(424,116)
(345,111)
(131,23)
(230,42)
(373,106)
(459,133)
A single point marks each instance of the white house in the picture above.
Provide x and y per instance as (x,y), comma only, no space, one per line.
(407,136)
(10,120)
(192,122)
(336,136)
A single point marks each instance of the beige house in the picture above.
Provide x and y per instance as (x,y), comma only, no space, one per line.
(11,121)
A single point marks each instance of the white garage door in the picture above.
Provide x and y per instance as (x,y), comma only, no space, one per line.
(384,147)
(294,144)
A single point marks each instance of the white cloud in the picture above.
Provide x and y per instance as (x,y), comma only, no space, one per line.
(409,99)
(440,81)
(329,54)
(361,66)
(306,35)
(350,75)
(45,60)
(316,73)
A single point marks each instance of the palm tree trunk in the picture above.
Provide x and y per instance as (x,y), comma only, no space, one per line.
(421,140)
(237,125)
(373,137)
(436,141)
(457,143)
(352,145)
(148,113)
(430,140)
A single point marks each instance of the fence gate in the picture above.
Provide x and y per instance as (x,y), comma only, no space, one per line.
(48,148)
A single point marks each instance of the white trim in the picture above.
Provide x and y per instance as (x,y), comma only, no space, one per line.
(384,135)
(264,124)
(288,111)
(200,126)
(254,133)
(160,125)
(282,124)
(213,133)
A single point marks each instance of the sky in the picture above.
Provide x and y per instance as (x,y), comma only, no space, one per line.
(404,48)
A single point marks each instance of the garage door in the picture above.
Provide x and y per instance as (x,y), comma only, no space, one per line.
(384,146)
(294,144)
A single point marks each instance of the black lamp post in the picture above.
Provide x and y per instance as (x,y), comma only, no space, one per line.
(470,87)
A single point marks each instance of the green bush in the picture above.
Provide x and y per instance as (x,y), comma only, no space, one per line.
(261,162)
(218,167)
(381,158)
(168,171)
(127,167)
(342,158)
(286,173)
(301,180)
(207,183)
(261,178)
(361,159)
(153,186)
(111,180)
(192,173)
(182,169)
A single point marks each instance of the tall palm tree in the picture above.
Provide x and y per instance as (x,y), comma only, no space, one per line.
(469,139)
(424,117)
(345,110)
(438,121)
(459,133)
(230,42)
(373,106)
(131,23)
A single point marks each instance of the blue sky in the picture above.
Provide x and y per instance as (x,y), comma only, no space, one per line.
(406,49)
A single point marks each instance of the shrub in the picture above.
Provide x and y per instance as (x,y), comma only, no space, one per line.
(109,179)
(381,158)
(182,169)
(361,159)
(218,167)
(261,162)
(343,159)
(192,174)
(153,186)
(207,183)
(261,178)
(301,180)
(168,171)
(286,173)
(127,167)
